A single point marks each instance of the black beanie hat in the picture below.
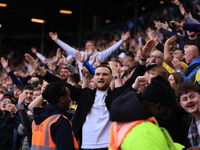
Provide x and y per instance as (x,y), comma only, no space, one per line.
(159,91)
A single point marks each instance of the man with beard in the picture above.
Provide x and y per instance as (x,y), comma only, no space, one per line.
(157,57)
(64,73)
(91,121)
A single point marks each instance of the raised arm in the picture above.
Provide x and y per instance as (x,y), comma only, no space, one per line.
(141,67)
(85,77)
(85,63)
(35,64)
(36,103)
(115,73)
(40,56)
(10,73)
(58,55)
(69,50)
(50,77)
(104,54)
(188,26)
(167,54)
(25,119)
(151,35)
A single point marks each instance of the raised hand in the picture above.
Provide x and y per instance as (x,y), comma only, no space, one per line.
(151,33)
(21,100)
(139,81)
(34,63)
(177,64)
(178,24)
(80,57)
(9,81)
(145,51)
(64,60)
(58,54)
(176,2)
(115,69)
(53,36)
(34,50)
(11,108)
(125,36)
(33,71)
(94,60)
(182,10)
(84,71)
(4,62)
(159,25)
(171,40)
(51,66)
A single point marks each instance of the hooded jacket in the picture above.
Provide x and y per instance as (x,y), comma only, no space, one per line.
(61,131)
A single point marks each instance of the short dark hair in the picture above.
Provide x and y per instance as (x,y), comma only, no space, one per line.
(104,67)
(20,87)
(65,67)
(28,87)
(186,87)
(104,63)
(188,43)
(74,77)
(91,41)
(54,91)
(37,88)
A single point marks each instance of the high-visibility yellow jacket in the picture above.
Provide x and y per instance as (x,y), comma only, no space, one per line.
(141,135)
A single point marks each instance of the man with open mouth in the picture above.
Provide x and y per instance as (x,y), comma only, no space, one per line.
(188,96)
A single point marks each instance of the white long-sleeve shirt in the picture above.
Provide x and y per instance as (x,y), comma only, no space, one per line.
(41,57)
(101,55)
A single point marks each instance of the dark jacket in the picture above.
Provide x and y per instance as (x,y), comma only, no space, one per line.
(180,39)
(61,130)
(6,131)
(85,97)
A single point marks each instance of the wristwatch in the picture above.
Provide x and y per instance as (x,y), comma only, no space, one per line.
(116,77)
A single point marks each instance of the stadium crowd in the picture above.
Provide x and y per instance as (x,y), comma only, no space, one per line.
(136,91)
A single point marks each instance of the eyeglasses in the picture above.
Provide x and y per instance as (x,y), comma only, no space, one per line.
(156,57)
(6,102)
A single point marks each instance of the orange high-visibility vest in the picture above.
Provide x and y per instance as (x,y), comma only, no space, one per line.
(41,134)
(125,128)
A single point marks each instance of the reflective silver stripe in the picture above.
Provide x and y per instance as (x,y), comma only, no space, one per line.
(46,142)
(37,147)
(33,124)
